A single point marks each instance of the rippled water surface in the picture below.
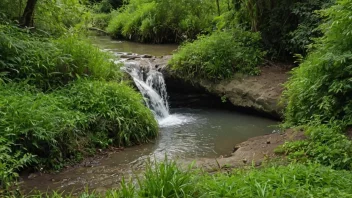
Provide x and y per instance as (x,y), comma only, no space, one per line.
(192,133)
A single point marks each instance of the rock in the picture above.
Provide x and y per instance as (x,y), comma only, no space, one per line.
(244,161)
(235,149)
(32,176)
(146,56)
(129,57)
(260,93)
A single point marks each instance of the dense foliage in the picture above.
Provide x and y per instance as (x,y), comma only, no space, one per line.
(325,145)
(321,87)
(287,26)
(161,21)
(61,98)
(51,16)
(71,122)
(319,94)
(219,55)
(48,63)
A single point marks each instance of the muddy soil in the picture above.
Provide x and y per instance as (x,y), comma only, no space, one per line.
(254,151)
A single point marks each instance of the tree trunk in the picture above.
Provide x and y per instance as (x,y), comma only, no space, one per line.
(27,16)
(218,5)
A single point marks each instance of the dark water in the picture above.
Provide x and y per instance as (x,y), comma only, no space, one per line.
(187,133)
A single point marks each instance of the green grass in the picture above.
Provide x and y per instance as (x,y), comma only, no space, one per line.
(113,107)
(48,63)
(218,56)
(69,123)
(325,144)
(165,179)
(148,21)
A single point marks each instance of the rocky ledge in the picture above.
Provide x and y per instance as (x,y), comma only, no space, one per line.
(260,93)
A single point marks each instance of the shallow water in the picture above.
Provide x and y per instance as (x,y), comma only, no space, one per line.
(106,43)
(192,133)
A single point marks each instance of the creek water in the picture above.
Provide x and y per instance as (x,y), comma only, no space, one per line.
(105,42)
(184,132)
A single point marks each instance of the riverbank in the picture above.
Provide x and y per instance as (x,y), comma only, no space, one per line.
(102,172)
(259,93)
(253,151)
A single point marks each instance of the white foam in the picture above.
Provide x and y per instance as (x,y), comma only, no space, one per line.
(174,120)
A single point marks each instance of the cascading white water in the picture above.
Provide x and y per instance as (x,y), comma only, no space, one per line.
(153,89)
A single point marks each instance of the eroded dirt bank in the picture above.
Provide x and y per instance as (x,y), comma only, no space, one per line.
(251,152)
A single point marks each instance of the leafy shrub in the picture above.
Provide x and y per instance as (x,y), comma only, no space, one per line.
(321,87)
(53,17)
(219,55)
(86,59)
(148,21)
(66,124)
(302,36)
(39,124)
(49,63)
(56,17)
(100,20)
(113,109)
(10,163)
(325,145)
(165,179)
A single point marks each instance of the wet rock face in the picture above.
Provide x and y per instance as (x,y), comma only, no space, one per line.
(259,93)
(248,94)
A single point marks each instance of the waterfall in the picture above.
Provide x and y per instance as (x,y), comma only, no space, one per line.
(152,86)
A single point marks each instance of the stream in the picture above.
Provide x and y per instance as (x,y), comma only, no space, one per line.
(186,133)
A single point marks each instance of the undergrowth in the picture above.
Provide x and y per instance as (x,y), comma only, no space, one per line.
(319,94)
(165,179)
(325,144)
(321,87)
(69,123)
(219,56)
(51,62)
(161,21)
(60,100)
